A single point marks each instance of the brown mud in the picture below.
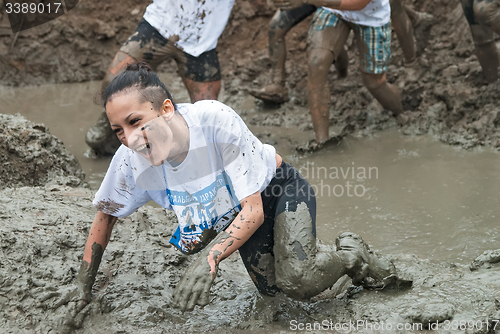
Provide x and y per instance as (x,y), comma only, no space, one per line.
(451,101)
(43,227)
(31,156)
(139,271)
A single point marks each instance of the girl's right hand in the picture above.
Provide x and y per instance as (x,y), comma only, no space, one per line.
(76,300)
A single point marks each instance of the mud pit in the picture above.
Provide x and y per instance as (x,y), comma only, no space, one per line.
(139,271)
(43,229)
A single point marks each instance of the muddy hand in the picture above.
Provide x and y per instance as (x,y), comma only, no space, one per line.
(76,301)
(194,287)
(288,4)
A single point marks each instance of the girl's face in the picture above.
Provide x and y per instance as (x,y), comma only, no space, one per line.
(140,127)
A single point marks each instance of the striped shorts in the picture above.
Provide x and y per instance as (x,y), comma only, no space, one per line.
(374,43)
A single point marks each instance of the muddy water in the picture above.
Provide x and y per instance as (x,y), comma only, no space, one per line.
(413,194)
(405,194)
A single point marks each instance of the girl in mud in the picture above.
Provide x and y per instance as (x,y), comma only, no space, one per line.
(229,191)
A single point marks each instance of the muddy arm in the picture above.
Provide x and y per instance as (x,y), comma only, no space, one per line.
(241,229)
(78,295)
(194,286)
(98,239)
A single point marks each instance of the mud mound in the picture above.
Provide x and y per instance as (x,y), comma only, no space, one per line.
(42,237)
(31,156)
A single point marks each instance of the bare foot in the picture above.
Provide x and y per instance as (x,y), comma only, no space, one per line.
(273,93)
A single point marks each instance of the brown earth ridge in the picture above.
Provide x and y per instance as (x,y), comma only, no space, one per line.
(451,102)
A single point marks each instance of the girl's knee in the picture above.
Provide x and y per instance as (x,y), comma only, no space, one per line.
(292,280)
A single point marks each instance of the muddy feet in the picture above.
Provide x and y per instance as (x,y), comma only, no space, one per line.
(364,267)
(413,72)
(313,145)
(485,259)
(273,93)
(422,31)
(101,139)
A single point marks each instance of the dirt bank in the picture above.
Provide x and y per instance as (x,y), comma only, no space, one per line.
(42,235)
(31,156)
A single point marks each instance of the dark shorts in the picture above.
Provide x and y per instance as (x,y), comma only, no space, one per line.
(147,44)
(286,190)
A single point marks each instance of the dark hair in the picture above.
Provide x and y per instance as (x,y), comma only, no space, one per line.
(139,76)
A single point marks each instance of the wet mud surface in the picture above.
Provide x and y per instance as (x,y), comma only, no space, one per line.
(42,235)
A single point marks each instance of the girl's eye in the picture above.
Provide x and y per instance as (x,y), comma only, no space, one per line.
(117,131)
(133,121)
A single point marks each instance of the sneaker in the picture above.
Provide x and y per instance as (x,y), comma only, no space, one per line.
(101,139)
(422,31)
(273,93)
(363,266)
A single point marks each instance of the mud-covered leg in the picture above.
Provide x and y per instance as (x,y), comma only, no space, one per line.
(388,95)
(487,55)
(100,137)
(484,18)
(422,23)
(281,23)
(404,30)
(304,267)
(325,46)
(487,12)
(484,39)
(301,270)
(374,46)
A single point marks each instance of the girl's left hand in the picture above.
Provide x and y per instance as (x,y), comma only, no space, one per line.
(194,286)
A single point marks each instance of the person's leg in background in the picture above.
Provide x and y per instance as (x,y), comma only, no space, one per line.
(487,12)
(374,46)
(280,24)
(404,32)
(145,44)
(327,37)
(201,75)
(487,15)
(484,39)
(422,23)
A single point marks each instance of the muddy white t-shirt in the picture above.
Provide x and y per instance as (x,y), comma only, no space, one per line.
(197,23)
(376,14)
(225,163)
